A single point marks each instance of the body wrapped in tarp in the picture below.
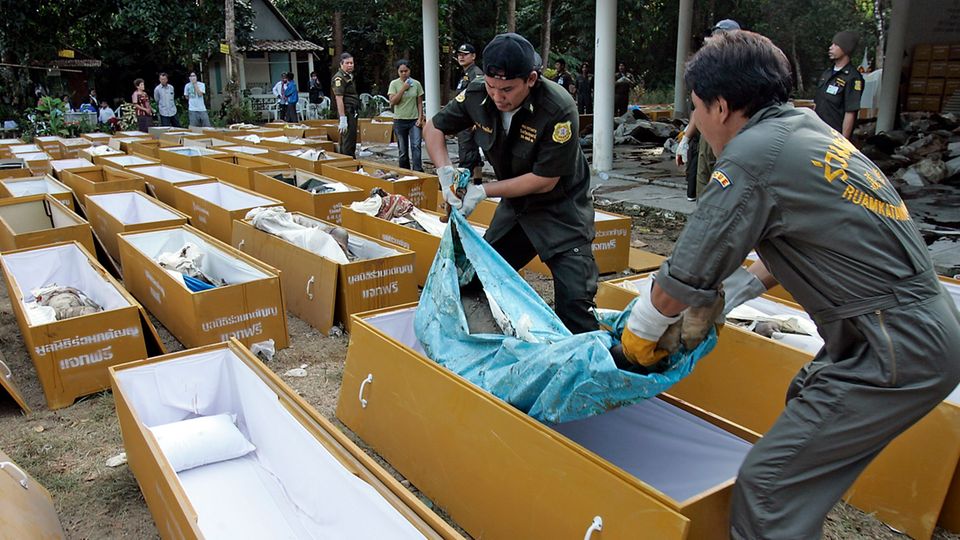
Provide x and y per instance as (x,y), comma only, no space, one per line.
(550,374)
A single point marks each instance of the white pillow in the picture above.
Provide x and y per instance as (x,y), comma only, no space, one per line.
(201,441)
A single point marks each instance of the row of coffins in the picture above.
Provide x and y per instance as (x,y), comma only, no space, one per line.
(224,381)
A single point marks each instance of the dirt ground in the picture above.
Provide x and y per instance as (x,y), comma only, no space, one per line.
(66,450)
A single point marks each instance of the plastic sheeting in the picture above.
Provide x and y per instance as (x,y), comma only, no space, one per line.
(552,375)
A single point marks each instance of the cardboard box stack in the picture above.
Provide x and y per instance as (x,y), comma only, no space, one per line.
(934,77)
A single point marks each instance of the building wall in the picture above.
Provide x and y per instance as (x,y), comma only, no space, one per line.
(933,21)
(269,26)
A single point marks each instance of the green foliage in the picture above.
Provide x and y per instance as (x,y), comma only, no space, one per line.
(236,113)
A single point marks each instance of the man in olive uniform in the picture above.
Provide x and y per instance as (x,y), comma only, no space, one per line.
(469,151)
(891,332)
(840,87)
(348,104)
(527,128)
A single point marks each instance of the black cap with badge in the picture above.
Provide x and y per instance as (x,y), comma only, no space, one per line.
(466,48)
(509,56)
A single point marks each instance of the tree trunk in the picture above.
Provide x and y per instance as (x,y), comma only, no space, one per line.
(511,15)
(233,59)
(337,41)
(545,31)
(881,34)
(796,63)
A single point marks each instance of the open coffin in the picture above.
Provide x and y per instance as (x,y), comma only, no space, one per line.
(745,380)
(37,185)
(71,355)
(249,306)
(504,475)
(212,206)
(57,166)
(237,169)
(123,161)
(39,220)
(310,193)
(188,158)
(100,179)
(322,290)
(128,211)
(303,479)
(163,181)
(27,510)
(421,188)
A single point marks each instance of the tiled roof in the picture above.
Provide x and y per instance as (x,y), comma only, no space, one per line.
(75,63)
(283,45)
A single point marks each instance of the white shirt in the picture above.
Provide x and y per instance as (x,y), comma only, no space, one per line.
(105,115)
(507,118)
(195,101)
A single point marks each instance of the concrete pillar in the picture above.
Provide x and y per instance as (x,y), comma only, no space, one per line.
(605,53)
(310,63)
(684,23)
(892,66)
(293,68)
(431,58)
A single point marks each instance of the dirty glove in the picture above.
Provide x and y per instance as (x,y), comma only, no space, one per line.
(644,327)
(448,175)
(343,125)
(682,150)
(697,322)
(740,287)
(475,194)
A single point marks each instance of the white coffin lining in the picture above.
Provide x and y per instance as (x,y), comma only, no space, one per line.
(132,208)
(168,174)
(39,186)
(252,150)
(66,266)
(291,486)
(216,264)
(193,151)
(681,456)
(72,163)
(31,216)
(126,161)
(226,196)
(361,247)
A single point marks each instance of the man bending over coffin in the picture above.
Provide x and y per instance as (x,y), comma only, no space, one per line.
(830,227)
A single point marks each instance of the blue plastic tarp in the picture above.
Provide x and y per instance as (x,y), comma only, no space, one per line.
(558,378)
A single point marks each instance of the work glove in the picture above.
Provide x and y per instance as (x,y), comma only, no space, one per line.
(475,194)
(448,175)
(645,326)
(693,327)
(343,125)
(683,149)
(740,287)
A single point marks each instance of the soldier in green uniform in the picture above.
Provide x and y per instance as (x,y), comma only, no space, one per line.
(830,227)
(348,104)
(840,87)
(470,157)
(527,128)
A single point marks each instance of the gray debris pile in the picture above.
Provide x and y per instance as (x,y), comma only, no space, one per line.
(925,151)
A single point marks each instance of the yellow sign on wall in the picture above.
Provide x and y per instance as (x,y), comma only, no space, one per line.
(225,48)
(65,53)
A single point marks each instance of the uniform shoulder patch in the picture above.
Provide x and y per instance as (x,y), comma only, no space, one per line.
(562,132)
(337,81)
(858,85)
(461,96)
(720,178)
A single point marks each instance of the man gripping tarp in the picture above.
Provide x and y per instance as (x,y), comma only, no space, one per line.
(831,228)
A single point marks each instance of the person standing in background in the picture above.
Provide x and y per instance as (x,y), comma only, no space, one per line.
(584,84)
(469,152)
(196,108)
(167,106)
(141,104)
(840,87)
(291,96)
(624,82)
(348,104)
(563,77)
(406,97)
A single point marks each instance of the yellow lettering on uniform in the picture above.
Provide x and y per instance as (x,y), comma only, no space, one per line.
(857,197)
(833,174)
(848,192)
(834,159)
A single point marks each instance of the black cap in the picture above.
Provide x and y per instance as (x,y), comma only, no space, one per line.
(466,48)
(726,25)
(847,41)
(509,56)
